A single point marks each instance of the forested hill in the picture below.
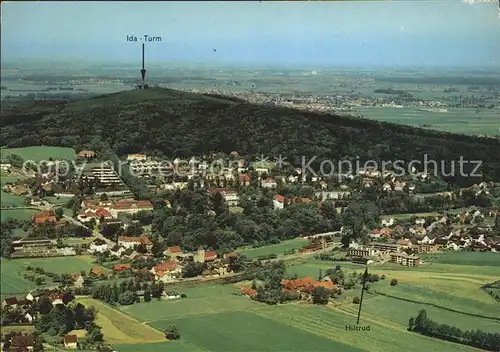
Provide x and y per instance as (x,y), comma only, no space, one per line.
(175,123)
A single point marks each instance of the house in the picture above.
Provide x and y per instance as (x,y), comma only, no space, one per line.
(56,298)
(279,202)
(116,251)
(98,246)
(11,302)
(385,247)
(231,255)
(244,179)
(29,297)
(29,318)
(79,280)
(5,166)
(173,251)
(71,342)
(361,251)
(332,195)
(136,157)
(132,242)
(202,256)
(230,196)
(367,182)
(89,214)
(418,231)
(44,217)
(427,248)
(117,268)
(86,154)
(261,170)
(428,239)
(404,243)
(306,285)
(399,186)
(375,233)
(31,244)
(268,183)
(248,292)
(420,222)
(130,207)
(404,259)
(388,222)
(22,343)
(166,272)
(378,233)
(96,271)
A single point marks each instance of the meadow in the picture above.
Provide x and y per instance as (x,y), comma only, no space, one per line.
(11,281)
(19,214)
(119,328)
(448,285)
(278,249)
(8,199)
(461,120)
(464,258)
(39,153)
(216,318)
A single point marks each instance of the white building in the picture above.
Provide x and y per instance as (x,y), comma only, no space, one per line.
(269,183)
(98,248)
(279,202)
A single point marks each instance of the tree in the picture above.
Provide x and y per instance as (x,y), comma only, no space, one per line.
(127,298)
(134,229)
(192,269)
(95,334)
(394,282)
(111,231)
(44,305)
(497,223)
(356,300)
(59,213)
(238,263)
(411,324)
(67,297)
(172,332)
(147,296)
(320,295)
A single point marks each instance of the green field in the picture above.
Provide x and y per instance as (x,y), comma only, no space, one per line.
(461,120)
(58,200)
(465,258)
(121,328)
(11,200)
(450,280)
(409,216)
(8,199)
(11,281)
(277,249)
(216,318)
(41,153)
(19,214)
(247,331)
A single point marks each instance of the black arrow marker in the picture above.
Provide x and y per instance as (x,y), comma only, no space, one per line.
(365,277)
(143,71)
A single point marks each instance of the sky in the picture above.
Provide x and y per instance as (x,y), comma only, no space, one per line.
(356,33)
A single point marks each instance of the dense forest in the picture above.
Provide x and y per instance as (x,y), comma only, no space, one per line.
(171,123)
